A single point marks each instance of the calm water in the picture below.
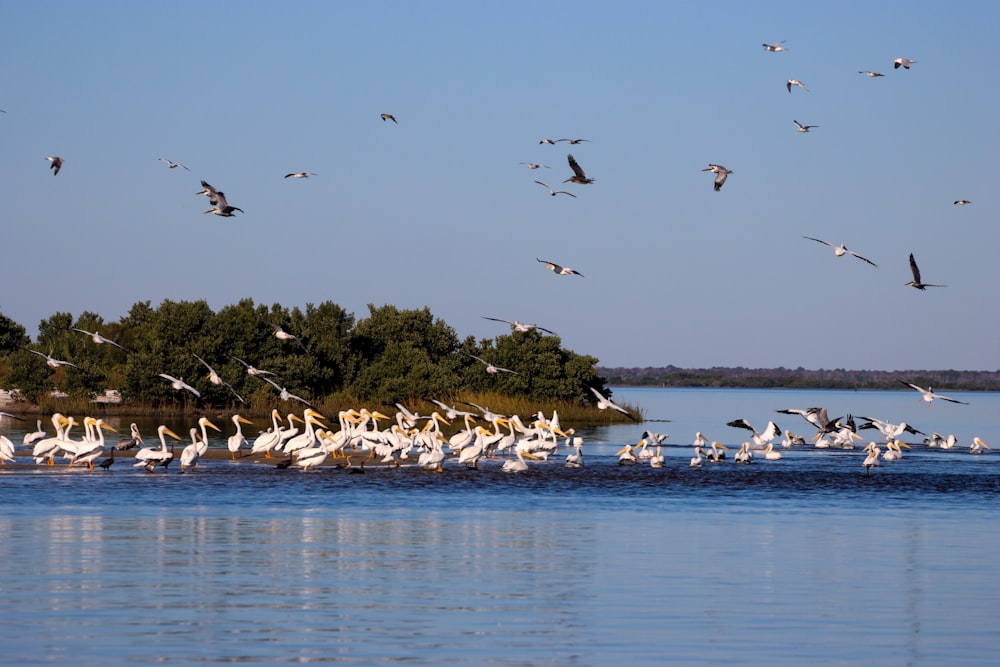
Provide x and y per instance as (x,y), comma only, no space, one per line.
(793,562)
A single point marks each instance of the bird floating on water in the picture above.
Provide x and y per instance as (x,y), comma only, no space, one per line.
(555,192)
(795,82)
(841,250)
(388,116)
(578,175)
(721,174)
(916,276)
(172,165)
(803,128)
(928,395)
(558,269)
(870,74)
(57,163)
(775,47)
(903,62)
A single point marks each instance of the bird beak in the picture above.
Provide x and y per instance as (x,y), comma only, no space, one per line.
(244,420)
(108,427)
(173,435)
(210,424)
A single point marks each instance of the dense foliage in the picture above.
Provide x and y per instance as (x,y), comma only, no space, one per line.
(392,355)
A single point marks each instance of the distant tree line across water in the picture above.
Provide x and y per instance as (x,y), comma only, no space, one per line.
(798,378)
(391,355)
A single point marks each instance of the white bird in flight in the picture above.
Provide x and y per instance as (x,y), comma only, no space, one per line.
(795,82)
(535,165)
(555,192)
(172,165)
(284,393)
(520,327)
(256,372)
(605,403)
(870,74)
(97,338)
(50,360)
(217,380)
(775,48)
(927,395)
(841,250)
(300,174)
(803,128)
(903,62)
(179,384)
(491,369)
(558,269)
(961,202)
(281,334)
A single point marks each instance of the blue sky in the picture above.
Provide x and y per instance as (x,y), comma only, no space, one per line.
(437,211)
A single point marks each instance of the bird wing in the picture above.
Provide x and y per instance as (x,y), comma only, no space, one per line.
(495,319)
(270,382)
(204,362)
(741,423)
(950,400)
(545,185)
(914,270)
(575,167)
(864,259)
(81,331)
(818,241)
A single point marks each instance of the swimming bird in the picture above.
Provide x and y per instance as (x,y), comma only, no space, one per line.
(978,446)
(520,327)
(916,276)
(803,128)
(518,464)
(575,460)
(57,163)
(696,461)
(657,460)
(97,338)
(841,250)
(256,372)
(871,461)
(283,335)
(775,48)
(217,380)
(388,116)
(51,361)
(770,454)
(172,165)
(961,202)
(870,74)
(558,269)
(32,437)
(743,455)
(534,165)
(578,175)
(795,82)
(626,456)
(300,174)
(903,62)
(721,174)
(605,403)
(928,395)
(180,384)
(555,192)
(491,369)
(284,393)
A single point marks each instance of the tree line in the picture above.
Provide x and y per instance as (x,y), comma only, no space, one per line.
(391,355)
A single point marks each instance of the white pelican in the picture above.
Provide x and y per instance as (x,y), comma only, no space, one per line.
(626,457)
(520,327)
(284,393)
(816,416)
(700,440)
(697,459)
(150,457)
(762,439)
(46,448)
(870,74)
(916,276)
(575,460)
(534,165)
(203,443)
(237,441)
(743,455)
(841,250)
(961,202)
(718,452)
(792,439)
(803,128)
(775,48)
(301,174)
(96,428)
(190,454)
(555,192)
(902,62)
(6,450)
(978,446)
(657,460)
(578,175)
(7,415)
(551,142)
(34,436)
(217,380)
(889,430)
(871,461)
(51,361)
(388,116)
(256,372)
(308,437)
(894,450)
(558,269)
(721,174)
(97,338)
(267,440)
(949,442)
(491,369)
(928,395)
(57,163)
(283,335)
(518,464)
(770,454)
(795,82)
(470,454)
(172,165)
(179,384)
(604,403)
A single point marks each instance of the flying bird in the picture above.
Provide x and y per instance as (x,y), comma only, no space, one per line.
(172,165)
(57,163)
(841,250)
(558,269)
(179,384)
(916,276)
(281,334)
(388,116)
(721,173)
(556,192)
(604,403)
(51,361)
(284,393)
(775,48)
(962,202)
(491,369)
(578,175)
(927,395)
(256,372)
(520,327)
(221,206)
(803,128)
(575,141)
(208,191)
(903,62)
(795,82)
(217,380)
(551,142)
(97,338)
(300,174)
(533,165)
(870,74)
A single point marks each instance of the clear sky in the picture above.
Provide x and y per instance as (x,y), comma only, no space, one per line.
(436,210)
